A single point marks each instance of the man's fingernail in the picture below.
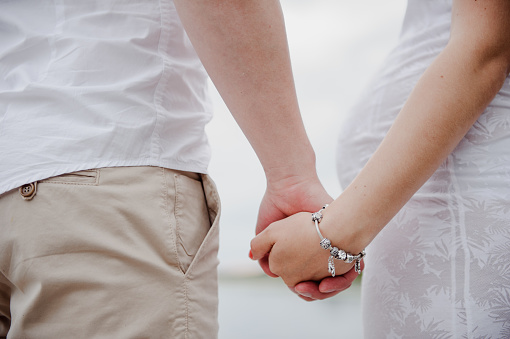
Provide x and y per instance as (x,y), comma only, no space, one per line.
(304,294)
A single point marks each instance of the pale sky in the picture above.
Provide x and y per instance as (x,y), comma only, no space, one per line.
(336,46)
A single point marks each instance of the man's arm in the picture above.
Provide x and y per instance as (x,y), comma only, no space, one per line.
(243,46)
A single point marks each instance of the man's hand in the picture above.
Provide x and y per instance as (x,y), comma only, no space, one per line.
(327,287)
(284,198)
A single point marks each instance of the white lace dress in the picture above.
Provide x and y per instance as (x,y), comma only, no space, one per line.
(441,267)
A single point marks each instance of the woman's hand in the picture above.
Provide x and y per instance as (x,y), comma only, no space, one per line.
(294,251)
(285,196)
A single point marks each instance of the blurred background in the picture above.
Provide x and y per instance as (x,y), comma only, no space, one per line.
(336,46)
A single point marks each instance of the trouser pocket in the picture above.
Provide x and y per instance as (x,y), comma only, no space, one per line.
(192,222)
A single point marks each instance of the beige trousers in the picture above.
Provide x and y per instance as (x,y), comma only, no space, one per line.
(128,252)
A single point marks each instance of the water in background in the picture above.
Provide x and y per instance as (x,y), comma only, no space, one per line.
(262,307)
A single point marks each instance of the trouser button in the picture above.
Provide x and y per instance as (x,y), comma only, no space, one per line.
(28,191)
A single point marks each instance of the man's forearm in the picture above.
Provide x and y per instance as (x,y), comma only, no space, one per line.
(243,46)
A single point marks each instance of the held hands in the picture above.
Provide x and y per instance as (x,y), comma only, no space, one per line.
(284,198)
(295,254)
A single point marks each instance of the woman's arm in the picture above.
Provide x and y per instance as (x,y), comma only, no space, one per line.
(447,100)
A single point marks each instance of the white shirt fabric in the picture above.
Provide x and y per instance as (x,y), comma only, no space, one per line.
(440,267)
(98,83)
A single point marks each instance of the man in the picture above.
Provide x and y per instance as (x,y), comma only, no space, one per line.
(108,219)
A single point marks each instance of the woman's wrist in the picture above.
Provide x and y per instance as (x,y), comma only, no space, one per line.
(335,252)
(343,233)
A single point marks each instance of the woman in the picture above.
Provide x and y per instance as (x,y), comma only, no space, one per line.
(426,156)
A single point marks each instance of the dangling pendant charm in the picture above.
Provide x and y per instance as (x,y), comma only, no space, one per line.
(331,265)
(357,266)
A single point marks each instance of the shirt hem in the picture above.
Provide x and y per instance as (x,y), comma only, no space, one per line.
(14,183)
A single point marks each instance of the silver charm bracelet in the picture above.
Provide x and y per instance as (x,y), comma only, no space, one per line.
(335,252)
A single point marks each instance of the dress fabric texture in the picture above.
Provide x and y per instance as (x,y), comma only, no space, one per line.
(441,267)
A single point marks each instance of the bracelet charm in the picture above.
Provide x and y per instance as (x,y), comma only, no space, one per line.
(325,243)
(335,252)
(331,266)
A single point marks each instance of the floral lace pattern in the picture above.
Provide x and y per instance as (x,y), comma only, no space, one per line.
(441,267)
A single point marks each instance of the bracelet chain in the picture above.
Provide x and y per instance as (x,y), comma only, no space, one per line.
(335,252)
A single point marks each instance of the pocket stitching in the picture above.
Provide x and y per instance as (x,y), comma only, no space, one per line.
(64,182)
(177,224)
(171,221)
(214,226)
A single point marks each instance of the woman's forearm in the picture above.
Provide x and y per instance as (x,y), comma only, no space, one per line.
(445,103)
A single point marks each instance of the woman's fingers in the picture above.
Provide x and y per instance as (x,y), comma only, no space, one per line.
(261,245)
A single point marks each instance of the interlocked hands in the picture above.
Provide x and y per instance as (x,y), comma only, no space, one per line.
(287,244)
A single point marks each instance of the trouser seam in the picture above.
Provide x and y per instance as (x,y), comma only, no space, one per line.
(186,306)
(177,203)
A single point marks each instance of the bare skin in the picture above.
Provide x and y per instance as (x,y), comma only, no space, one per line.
(446,102)
(243,46)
